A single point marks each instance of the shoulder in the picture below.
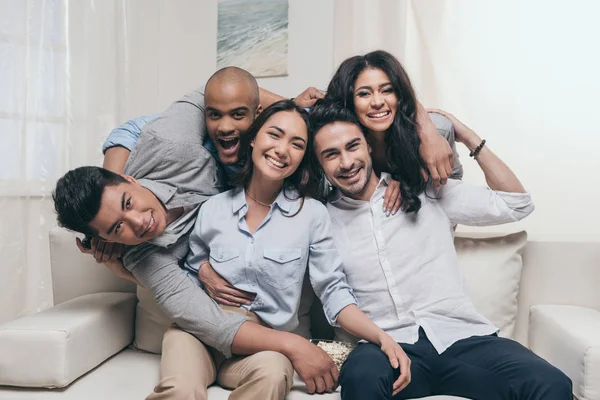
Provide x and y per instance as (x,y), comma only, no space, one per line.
(219,201)
(442,124)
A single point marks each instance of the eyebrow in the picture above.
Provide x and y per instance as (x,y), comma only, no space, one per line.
(332,149)
(113,226)
(283,133)
(242,108)
(369,87)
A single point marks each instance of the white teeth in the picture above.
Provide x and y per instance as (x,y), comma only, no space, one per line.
(275,162)
(350,175)
(150,223)
(379,115)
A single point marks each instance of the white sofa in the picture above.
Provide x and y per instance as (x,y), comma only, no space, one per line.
(81,348)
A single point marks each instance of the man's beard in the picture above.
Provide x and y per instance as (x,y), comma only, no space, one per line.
(359,188)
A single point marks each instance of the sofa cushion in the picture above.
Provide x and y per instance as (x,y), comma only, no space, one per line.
(491,268)
(58,345)
(568,337)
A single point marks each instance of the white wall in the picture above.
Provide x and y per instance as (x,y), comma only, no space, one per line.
(171,49)
(523,73)
(525,76)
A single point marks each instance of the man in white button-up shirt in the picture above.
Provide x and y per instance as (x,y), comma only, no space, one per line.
(404,271)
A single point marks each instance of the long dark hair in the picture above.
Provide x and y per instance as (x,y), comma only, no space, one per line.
(402,140)
(303,180)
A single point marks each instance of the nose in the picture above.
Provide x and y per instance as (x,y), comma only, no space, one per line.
(281,149)
(136,221)
(376,100)
(226,126)
(346,161)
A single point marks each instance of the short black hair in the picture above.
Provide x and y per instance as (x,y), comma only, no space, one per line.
(78,195)
(327,112)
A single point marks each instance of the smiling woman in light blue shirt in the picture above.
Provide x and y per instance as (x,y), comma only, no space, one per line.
(262,235)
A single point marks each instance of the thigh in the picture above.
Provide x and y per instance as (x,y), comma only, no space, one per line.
(490,367)
(367,372)
(186,357)
(237,370)
(186,368)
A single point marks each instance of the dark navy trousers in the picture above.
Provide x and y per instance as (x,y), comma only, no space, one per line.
(478,368)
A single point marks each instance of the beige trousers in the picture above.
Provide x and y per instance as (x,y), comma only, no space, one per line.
(188,367)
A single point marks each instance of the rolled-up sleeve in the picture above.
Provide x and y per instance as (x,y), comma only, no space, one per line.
(475,205)
(127,134)
(325,268)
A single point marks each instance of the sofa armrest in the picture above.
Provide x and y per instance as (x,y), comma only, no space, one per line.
(568,337)
(56,346)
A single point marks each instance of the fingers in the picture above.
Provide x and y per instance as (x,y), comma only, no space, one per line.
(225,302)
(98,248)
(405,375)
(81,248)
(386,200)
(236,294)
(442,112)
(316,94)
(310,385)
(329,384)
(321,386)
(396,200)
(334,373)
(433,173)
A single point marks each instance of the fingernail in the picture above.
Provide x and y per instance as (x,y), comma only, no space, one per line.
(394,212)
(387,213)
(384,210)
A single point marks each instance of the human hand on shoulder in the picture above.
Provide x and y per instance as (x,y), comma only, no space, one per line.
(434,150)
(462,133)
(308,97)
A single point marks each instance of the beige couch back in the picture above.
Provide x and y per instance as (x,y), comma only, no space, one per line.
(553,273)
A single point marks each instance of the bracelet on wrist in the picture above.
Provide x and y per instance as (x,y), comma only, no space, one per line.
(475,152)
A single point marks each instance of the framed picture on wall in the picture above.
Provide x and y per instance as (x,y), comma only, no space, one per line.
(253,35)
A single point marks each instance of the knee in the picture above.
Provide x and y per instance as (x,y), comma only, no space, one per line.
(366,373)
(273,370)
(174,387)
(552,383)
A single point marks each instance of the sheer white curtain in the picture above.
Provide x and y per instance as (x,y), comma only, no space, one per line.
(59,77)
(522,73)
(70,71)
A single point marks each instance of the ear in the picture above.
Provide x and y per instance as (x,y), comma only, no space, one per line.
(129,178)
(258,110)
(252,143)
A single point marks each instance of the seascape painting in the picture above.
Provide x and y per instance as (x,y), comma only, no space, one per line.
(253,35)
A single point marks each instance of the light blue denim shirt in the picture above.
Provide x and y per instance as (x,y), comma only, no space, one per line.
(272,261)
(127,134)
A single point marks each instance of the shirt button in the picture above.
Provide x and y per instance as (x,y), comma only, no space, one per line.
(280,258)
(253,284)
(220,255)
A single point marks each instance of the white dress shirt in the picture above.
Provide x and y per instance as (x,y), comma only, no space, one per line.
(404,269)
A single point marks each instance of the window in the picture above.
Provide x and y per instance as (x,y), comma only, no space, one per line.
(33,103)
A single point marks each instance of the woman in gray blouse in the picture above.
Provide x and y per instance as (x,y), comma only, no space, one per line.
(262,235)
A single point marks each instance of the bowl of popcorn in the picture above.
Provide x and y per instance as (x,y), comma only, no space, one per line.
(338,351)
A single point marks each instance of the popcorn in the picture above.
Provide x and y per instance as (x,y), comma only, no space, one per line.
(338,351)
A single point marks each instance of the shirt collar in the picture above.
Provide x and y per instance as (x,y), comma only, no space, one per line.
(284,200)
(337,195)
(163,191)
